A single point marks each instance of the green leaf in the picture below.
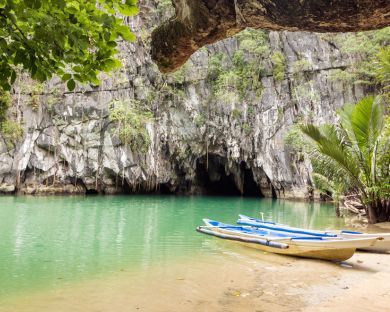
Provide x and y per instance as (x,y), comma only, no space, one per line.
(66,77)
(3,44)
(125,33)
(128,10)
(71,85)
(20,57)
(13,76)
(78,69)
(111,64)
(367,122)
(33,4)
(112,44)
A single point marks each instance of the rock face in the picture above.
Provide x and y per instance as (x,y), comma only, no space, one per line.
(218,128)
(201,22)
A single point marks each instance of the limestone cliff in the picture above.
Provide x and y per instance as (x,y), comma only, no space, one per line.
(218,124)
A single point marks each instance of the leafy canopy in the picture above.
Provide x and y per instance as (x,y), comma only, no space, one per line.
(75,39)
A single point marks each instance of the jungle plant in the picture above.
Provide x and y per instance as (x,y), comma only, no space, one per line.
(254,41)
(382,68)
(5,103)
(131,120)
(370,49)
(354,155)
(279,66)
(12,132)
(233,83)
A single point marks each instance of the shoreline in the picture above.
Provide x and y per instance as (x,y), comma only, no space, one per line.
(237,279)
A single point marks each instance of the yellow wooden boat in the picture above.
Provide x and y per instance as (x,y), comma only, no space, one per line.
(282,243)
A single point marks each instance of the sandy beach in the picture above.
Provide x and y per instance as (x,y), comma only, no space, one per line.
(236,279)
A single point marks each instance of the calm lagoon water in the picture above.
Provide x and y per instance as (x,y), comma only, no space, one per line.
(51,242)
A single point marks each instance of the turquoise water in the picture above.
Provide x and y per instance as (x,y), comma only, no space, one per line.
(48,242)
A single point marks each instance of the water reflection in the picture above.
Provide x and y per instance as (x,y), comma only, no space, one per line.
(50,241)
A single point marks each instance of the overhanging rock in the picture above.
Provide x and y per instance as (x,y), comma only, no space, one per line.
(201,22)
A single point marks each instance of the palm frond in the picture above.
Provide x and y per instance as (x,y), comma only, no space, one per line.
(367,122)
(345,114)
(331,149)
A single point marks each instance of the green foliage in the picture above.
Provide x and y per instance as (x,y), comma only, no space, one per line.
(382,67)
(5,103)
(53,98)
(344,75)
(131,120)
(246,128)
(215,68)
(294,138)
(370,49)
(279,66)
(199,120)
(231,84)
(235,83)
(250,111)
(301,65)
(254,41)
(306,93)
(236,114)
(180,75)
(165,7)
(325,186)
(74,39)
(354,155)
(11,132)
(36,90)
(249,73)
(226,86)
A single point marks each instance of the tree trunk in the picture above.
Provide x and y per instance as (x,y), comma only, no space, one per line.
(371,213)
(379,210)
(382,210)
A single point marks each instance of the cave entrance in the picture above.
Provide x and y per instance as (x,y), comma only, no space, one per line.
(250,187)
(91,192)
(213,179)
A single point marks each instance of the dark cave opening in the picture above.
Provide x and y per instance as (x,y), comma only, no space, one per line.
(251,188)
(91,192)
(224,186)
(213,179)
(164,189)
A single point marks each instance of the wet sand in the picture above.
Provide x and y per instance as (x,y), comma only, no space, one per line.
(236,278)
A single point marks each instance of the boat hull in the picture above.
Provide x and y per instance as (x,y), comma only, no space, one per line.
(322,254)
(339,250)
(382,244)
(294,245)
(287,247)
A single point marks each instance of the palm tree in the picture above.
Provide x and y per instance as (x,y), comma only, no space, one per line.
(355,154)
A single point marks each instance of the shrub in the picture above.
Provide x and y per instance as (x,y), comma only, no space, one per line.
(131,122)
(279,66)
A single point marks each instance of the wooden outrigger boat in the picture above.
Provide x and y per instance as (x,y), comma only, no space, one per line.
(382,244)
(281,243)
